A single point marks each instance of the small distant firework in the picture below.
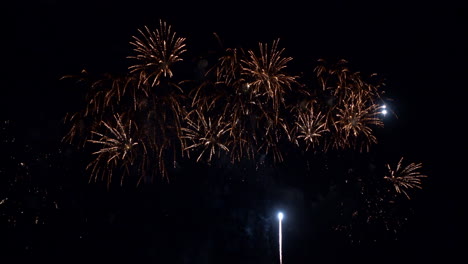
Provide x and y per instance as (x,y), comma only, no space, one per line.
(405,178)
(373,205)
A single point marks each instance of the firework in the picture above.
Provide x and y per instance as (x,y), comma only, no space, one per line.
(117,148)
(265,74)
(405,178)
(158,111)
(248,94)
(310,127)
(354,119)
(372,205)
(161,110)
(350,106)
(206,134)
(105,95)
(228,69)
(280,218)
(157,51)
(161,129)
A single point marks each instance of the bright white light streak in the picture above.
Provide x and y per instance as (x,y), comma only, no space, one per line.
(280,217)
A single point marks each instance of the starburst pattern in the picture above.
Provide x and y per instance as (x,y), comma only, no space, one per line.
(157,51)
(404,178)
(117,147)
(265,74)
(207,134)
(310,127)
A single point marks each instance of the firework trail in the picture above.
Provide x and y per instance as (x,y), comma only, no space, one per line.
(280,217)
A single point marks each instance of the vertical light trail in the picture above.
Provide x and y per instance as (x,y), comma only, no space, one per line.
(280,217)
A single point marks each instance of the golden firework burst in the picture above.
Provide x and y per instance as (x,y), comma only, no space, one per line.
(310,127)
(206,134)
(404,178)
(156,51)
(117,147)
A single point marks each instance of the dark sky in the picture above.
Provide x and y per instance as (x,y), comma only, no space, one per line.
(419,46)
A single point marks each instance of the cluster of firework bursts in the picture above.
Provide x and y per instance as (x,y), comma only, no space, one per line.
(246,106)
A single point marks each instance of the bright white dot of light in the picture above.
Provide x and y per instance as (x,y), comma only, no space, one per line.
(384,112)
(280,216)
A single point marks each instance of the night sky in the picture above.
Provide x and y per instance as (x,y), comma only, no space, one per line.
(224,214)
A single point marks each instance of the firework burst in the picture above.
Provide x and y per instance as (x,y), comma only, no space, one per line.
(405,178)
(354,119)
(374,204)
(157,51)
(117,147)
(248,93)
(310,127)
(207,134)
(350,107)
(265,74)
(105,95)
